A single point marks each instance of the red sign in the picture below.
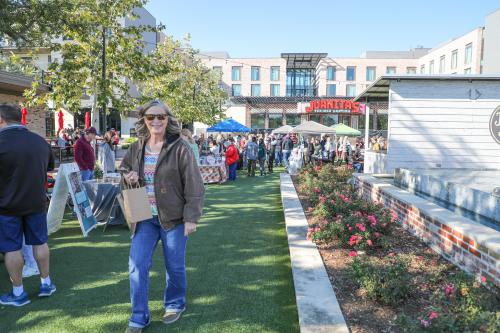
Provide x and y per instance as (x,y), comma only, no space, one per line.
(335,104)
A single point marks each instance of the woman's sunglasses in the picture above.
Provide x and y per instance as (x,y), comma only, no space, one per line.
(151,117)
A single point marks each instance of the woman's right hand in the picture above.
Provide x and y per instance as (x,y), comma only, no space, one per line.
(132,177)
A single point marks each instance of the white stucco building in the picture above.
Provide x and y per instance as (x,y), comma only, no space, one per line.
(439,121)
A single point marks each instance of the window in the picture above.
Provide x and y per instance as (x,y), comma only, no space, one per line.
(411,70)
(50,124)
(351,73)
(354,122)
(345,120)
(315,117)
(361,122)
(330,73)
(49,58)
(275,120)
(431,67)
(236,90)
(275,90)
(255,90)
(390,70)
(300,82)
(422,69)
(350,90)
(442,64)
(468,54)
(292,119)
(257,120)
(382,122)
(275,73)
(370,73)
(330,119)
(255,73)
(454,59)
(236,73)
(331,90)
(467,71)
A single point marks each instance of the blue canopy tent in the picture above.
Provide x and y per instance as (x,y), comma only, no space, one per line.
(228,125)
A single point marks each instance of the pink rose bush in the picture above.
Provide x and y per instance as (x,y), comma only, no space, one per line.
(350,220)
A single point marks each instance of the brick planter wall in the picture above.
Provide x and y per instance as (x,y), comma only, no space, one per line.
(459,248)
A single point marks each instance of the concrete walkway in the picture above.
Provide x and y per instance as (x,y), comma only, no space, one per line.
(318,308)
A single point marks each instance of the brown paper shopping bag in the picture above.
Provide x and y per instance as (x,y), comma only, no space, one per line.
(136,204)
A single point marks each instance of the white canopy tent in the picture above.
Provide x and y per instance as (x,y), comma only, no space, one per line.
(285,129)
(313,128)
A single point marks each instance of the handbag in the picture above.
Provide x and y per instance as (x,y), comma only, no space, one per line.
(136,204)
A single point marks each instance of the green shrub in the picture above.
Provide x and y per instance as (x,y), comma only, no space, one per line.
(98,173)
(387,282)
(125,146)
(460,305)
(130,140)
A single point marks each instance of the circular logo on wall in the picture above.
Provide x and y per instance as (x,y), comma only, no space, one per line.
(495,125)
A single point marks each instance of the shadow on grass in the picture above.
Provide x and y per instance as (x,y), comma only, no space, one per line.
(239,275)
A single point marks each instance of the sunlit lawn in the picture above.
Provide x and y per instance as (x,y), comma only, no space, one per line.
(239,275)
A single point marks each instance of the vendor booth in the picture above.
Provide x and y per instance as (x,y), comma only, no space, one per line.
(213,167)
(285,129)
(344,130)
(313,128)
(229,126)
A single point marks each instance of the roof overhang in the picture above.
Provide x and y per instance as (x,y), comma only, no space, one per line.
(379,90)
(16,84)
(266,100)
(303,60)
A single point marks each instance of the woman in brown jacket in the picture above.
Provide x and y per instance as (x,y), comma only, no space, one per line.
(164,163)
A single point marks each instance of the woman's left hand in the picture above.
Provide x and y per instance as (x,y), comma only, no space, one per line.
(189,228)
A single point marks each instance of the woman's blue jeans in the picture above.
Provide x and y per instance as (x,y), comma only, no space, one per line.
(147,235)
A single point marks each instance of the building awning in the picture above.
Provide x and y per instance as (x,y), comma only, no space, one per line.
(379,90)
(15,84)
(303,60)
(266,100)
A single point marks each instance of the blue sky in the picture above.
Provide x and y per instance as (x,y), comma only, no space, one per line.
(261,28)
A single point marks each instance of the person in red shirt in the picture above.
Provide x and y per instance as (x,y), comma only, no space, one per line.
(85,155)
(232,158)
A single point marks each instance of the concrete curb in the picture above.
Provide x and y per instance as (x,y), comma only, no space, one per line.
(318,308)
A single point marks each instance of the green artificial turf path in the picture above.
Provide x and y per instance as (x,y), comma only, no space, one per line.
(238,266)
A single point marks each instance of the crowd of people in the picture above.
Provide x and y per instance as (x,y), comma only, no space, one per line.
(68,136)
(377,143)
(84,145)
(266,151)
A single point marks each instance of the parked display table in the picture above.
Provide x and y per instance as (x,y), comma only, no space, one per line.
(213,173)
(213,169)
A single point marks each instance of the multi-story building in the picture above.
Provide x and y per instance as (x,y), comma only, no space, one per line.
(461,55)
(266,93)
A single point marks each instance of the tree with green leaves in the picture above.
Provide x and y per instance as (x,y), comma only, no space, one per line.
(171,72)
(79,66)
(184,83)
(32,22)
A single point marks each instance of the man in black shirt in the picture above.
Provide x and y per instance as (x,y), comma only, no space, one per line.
(25,159)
